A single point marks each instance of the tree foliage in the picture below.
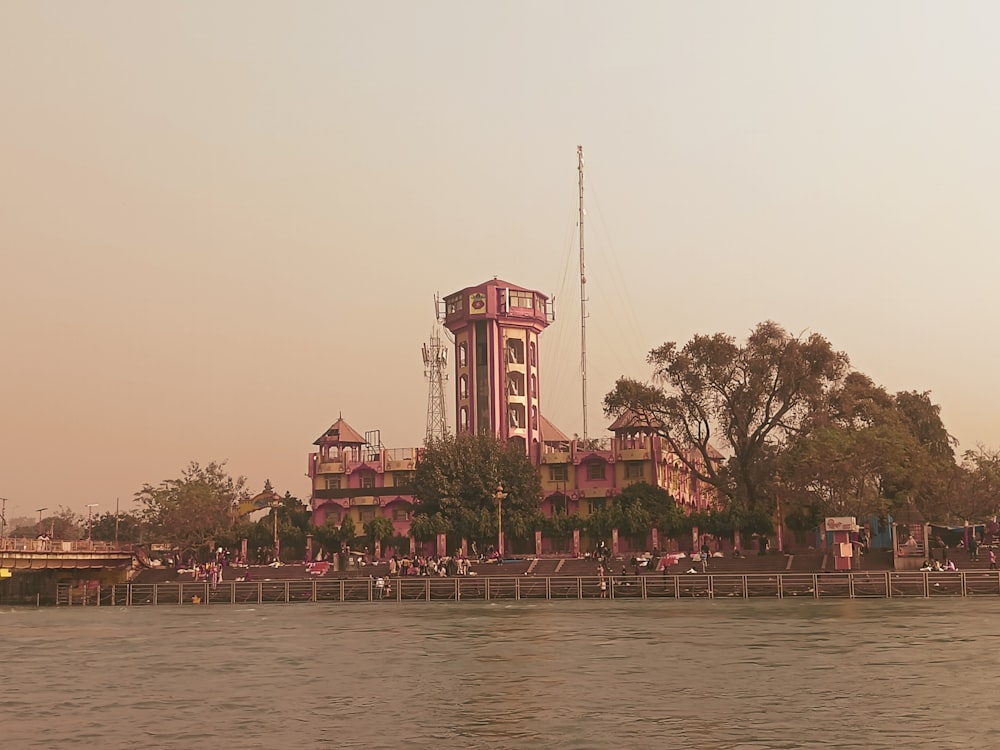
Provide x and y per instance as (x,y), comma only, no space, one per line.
(129,527)
(457,479)
(194,509)
(379,529)
(714,395)
(867,453)
(63,524)
(976,496)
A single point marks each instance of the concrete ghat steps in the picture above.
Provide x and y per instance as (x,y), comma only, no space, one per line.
(810,561)
(544,566)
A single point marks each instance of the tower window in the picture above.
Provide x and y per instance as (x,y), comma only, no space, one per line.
(462,354)
(522,299)
(515,351)
(515,383)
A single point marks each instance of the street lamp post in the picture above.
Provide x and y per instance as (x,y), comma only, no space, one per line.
(277,542)
(500,496)
(90,521)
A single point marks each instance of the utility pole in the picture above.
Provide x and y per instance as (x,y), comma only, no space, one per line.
(583,297)
(3,516)
(116,523)
(39,511)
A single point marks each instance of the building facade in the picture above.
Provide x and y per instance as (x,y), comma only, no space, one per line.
(498,387)
(354,476)
(496,326)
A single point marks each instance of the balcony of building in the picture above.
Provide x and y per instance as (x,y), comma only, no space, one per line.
(635,448)
(400,459)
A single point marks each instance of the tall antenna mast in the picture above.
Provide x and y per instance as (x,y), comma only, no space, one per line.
(583,298)
(435,364)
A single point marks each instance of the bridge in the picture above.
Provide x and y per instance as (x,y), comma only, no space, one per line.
(32,569)
(43,554)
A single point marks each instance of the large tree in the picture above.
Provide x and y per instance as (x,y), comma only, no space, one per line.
(124,526)
(727,410)
(63,524)
(196,508)
(932,481)
(869,452)
(839,465)
(458,478)
(977,495)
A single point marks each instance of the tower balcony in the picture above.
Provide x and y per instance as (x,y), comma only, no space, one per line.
(556,457)
(633,454)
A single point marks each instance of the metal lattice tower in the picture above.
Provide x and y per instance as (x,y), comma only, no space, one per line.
(435,367)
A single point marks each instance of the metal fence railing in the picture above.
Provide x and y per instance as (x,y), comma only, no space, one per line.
(19,544)
(853,585)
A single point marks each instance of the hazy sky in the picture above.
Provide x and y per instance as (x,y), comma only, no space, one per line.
(223,223)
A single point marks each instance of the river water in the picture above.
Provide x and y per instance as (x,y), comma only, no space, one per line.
(745,675)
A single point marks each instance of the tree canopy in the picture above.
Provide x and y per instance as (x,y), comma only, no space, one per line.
(457,480)
(713,394)
(782,423)
(128,525)
(196,508)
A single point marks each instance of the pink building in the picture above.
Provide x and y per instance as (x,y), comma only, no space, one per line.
(496,327)
(355,476)
(498,387)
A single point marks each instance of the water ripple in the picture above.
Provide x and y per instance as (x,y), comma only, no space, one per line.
(745,675)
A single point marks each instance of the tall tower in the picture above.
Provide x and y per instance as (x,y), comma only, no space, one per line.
(435,363)
(496,327)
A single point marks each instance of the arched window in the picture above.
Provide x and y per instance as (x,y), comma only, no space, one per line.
(531,354)
(463,419)
(462,355)
(463,387)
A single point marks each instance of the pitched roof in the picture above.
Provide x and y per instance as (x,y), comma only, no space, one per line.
(630,419)
(549,432)
(340,432)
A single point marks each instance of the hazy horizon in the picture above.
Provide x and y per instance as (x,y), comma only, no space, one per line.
(224,224)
